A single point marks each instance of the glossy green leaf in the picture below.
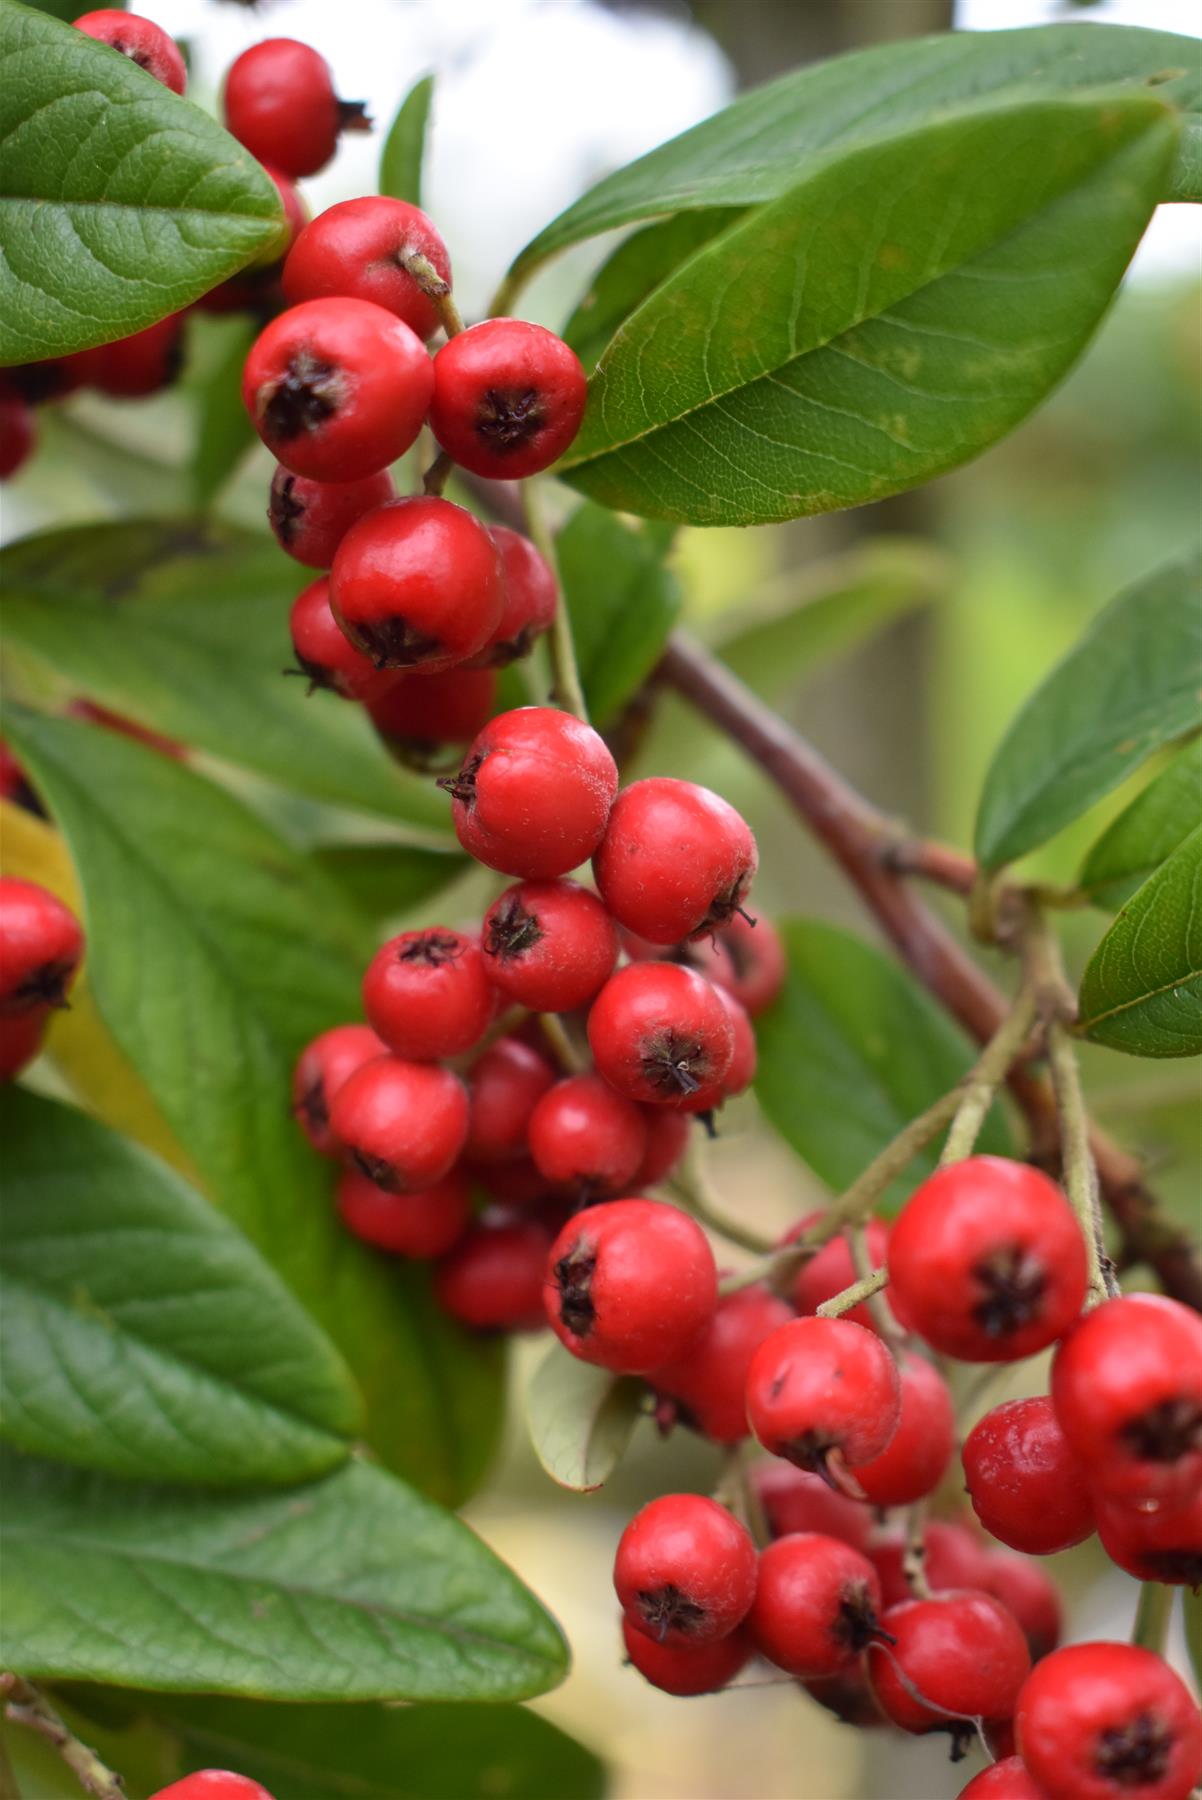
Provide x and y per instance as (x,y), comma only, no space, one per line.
(120,202)
(637,266)
(183,624)
(140,1334)
(580,1419)
(1132,683)
(861,335)
(1142,988)
(385,879)
(851,1052)
(1147,832)
(352,1587)
(405,146)
(623,603)
(756,149)
(224,433)
(215,953)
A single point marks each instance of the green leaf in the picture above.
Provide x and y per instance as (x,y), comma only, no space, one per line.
(758,148)
(120,203)
(580,1419)
(385,879)
(141,1334)
(215,953)
(851,1052)
(183,624)
(224,433)
(404,147)
(1142,988)
(622,600)
(637,266)
(350,1588)
(861,335)
(1133,683)
(1136,843)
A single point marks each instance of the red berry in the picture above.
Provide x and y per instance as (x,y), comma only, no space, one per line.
(41,946)
(18,434)
(1028,1591)
(1160,1545)
(675,860)
(1007,1780)
(508,398)
(296,217)
(20,1039)
(745,956)
(530,599)
(311,518)
(402,1124)
(685,1571)
(427,993)
(987,1260)
(830,1269)
(38,383)
(134,367)
(794,1501)
(952,1558)
(534,793)
(337,389)
(505,1084)
(913,1462)
(957,1657)
(741,1073)
(359,248)
(516,1183)
(418,714)
(424,1224)
(667,1136)
(1026,1485)
(687,1670)
(1127,1388)
(279,101)
(321,1069)
(493,1278)
(816,1605)
(660,1034)
(213,1784)
(585,1138)
(706,1386)
(143,42)
(417,584)
(823,1394)
(324,655)
(549,945)
(630,1285)
(1099,1721)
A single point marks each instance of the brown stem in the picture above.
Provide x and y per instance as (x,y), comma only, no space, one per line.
(27,1705)
(932,861)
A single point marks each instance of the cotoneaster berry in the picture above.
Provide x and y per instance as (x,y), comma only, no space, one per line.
(311,518)
(630,1285)
(961,1651)
(530,599)
(505,1084)
(144,43)
(549,945)
(320,1071)
(687,1669)
(41,946)
(745,956)
(705,1389)
(667,1139)
(915,1459)
(1101,1721)
(1006,1780)
(515,1183)
(18,434)
(585,1138)
(824,1394)
(279,101)
(418,715)
(741,1072)
(423,1224)
(1027,1590)
(795,1501)
(675,860)
(685,1570)
(951,1558)
(324,655)
(660,1034)
(132,368)
(1026,1484)
(493,1278)
(296,217)
(986,1259)
(427,993)
(213,1784)
(1164,1544)
(402,1124)
(363,248)
(508,398)
(816,1605)
(337,389)
(21,1037)
(830,1269)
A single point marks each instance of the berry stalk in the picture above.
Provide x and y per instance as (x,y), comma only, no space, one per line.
(27,1705)
(565,676)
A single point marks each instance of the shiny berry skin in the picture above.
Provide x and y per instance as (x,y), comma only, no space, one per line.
(311,518)
(358,247)
(549,945)
(427,994)
(986,1259)
(418,714)
(914,1461)
(213,1784)
(667,1138)
(630,1285)
(694,1669)
(21,1037)
(534,793)
(279,102)
(961,1650)
(816,1605)
(831,1269)
(508,398)
(1027,1486)
(1027,1590)
(323,654)
(18,434)
(493,1278)
(321,1069)
(530,602)
(685,1571)
(41,946)
(794,1501)
(660,1034)
(143,42)
(675,860)
(402,1124)
(586,1139)
(705,1387)
(336,389)
(1006,1780)
(745,956)
(823,1394)
(417,585)
(1164,1544)
(952,1558)
(504,1084)
(423,1224)
(1127,1388)
(1101,1721)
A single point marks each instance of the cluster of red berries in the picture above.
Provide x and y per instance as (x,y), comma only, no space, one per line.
(41,948)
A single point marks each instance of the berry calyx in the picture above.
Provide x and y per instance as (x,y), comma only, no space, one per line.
(508,398)
(676,860)
(687,1669)
(323,654)
(493,1279)
(661,1035)
(1027,1485)
(1164,1544)
(213,1784)
(530,599)
(705,1388)
(954,1659)
(279,102)
(585,1139)
(366,248)
(549,945)
(816,1606)
(745,956)
(1005,1780)
(422,1224)
(1102,1720)
(321,1069)
(41,947)
(427,993)
(685,1570)
(825,1395)
(419,715)
(142,41)
(505,1084)
(915,1459)
(402,1124)
(311,518)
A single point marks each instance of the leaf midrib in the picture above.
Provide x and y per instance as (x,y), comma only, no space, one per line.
(1139,1000)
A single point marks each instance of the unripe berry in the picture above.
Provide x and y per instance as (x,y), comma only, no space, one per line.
(361,248)
(323,653)
(794,1501)
(745,956)
(427,994)
(961,1651)
(823,1394)
(690,1669)
(402,1124)
(706,1387)
(685,1571)
(630,1285)
(1102,1721)
(951,1558)
(1026,1484)
(320,1071)
(667,1137)
(1161,1545)
(1006,1780)
(660,1034)
(41,946)
(914,1461)
(549,945)
(493,1278)
(279,101)
(419,715)
(816,1605)
(143,42)
(1027,1590)
(675,860)
(20,1039)
(423,1224)
(18,434)
(508,398)
(505,1084)
(530,599)
(311,518)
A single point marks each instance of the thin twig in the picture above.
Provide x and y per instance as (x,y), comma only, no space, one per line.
(435,479)
(914,1554)
(1152,1615)
(1079,1170)
(691,1184)
(852,1296)
(567,1055)
(982,1084)
(27,1705)
(565,676)
(932,861)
